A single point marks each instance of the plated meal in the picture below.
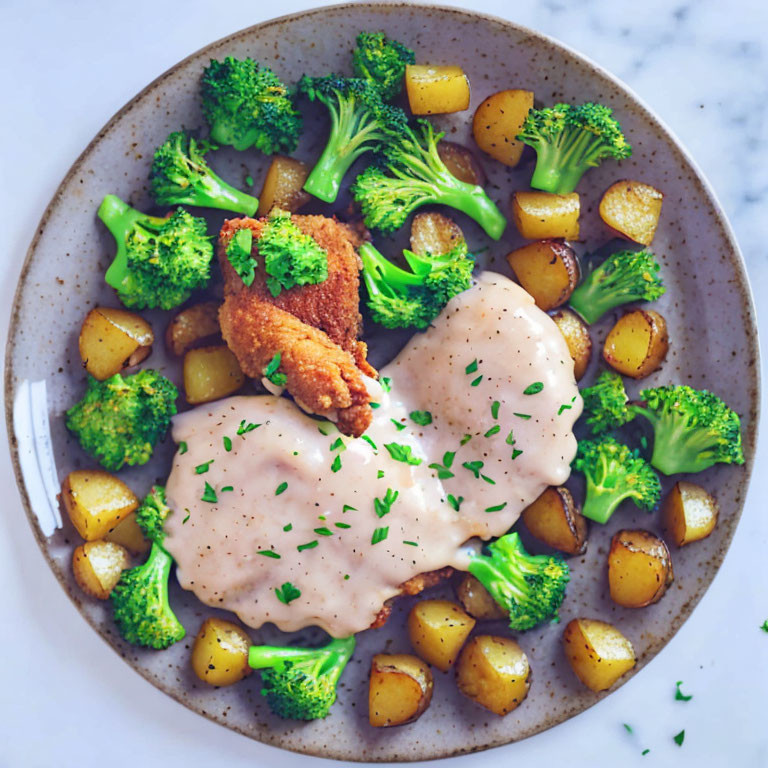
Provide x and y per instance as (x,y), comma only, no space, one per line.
(422,445)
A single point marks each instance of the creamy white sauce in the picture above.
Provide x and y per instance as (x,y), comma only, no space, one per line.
(344,579)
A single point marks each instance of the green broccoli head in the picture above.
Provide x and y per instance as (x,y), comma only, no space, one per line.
(382,61)
(530,588)
(300,683)
(152,514)
(623,277)
(359,123)
(291,257)
(569,140)
(180,175)
(398,298)
(159,262)
(692,429)
(121,419)
(614,473)
(246,105)
(412,174)
(140,603)
(605,403)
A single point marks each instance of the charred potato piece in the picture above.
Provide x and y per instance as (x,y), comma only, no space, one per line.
(639,568)
(597,652)
(637,345)
(461,162)
(97,566)
(284,186)
(494,672)
(576,335)
(113,339)
(400,689)
(438,629)
(548,270)
(96,501)
(211,373)
(193,327)
(128,534)
(554,519)
(497,122)
(220,652)
(632,209)
(689,513)
(541,215)
(477,600)
(436,90)
(434,233)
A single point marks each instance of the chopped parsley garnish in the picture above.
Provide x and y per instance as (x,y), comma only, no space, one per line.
(386,383)
(227,443)
(375,405)
(288,527)
(488,479)
(534,389)
(383,506)
(379,474)
(410,543)
(323,531)
(497,508)
(476,381)
(464,440)
(443,471)
(309,545)
(454,502)
(347,508)
(268,553)
(764,626)
(326,428)
(346,577)
(628,728)
(522,415)
(510,439)
(379,535)
(515,453)
(422,418)
(495,429)
(271,371)
(474,467)
(239,255)
(495,409)
(471,368)
(187,517)
(201,469)
(370,442)
(645,752)
(228,488)
(281,488)
(400,426)
(338,444)
(562,408)
(209,494)
(342,525)
(245,428)
(336,463)
(287,593)
(404,453)
(679,738)
(679,695)
(183,448)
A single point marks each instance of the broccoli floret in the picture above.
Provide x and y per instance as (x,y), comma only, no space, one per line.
(605,403)
(300,683)
(291,257)
(359,117)
(180,175)
(411,175)
(382,61)
(613,473)
(692,429)
(140,603)
(120,420)
(530,588)
(398,298)
(246,105)
(152,514)
(568,141)
(159,262)
(623,277)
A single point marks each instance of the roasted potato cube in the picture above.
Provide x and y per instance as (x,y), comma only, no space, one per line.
(494,672)
(220,652)
(632,209)
(637,345)
(438,629)
(497,122)
(461,162)
(96,501)
(194,326)
(597,652)
(576,334)
(436,90)
(283,186)
(689,513)
(541,215)
(434,233)
(639,568)
(211,373)
(400,689)
(554,519)
(477,600)
(128,534)
(548,270)
(113,339)
(97,566)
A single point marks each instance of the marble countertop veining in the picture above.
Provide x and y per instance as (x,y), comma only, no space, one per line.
(701,65)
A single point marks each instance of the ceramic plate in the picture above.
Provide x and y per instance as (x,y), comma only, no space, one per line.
(707,306)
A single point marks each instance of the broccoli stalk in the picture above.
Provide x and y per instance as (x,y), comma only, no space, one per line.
(530,588)
(614,473)
(568,141)
(623,277)
(358,119)
(300,683)
(159,262)
(605,403)
(398,298)
(692,429)
(180,175)
(382,62)
(417,176)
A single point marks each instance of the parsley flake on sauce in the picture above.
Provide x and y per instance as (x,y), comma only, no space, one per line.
(281,488)
(323,531)
(209,494)
(679,695)
(534,389)
(471,368)
(492,431)
(227,443)
(410,543)
(453,501)
(515,453)
(268,553)
(308,545)
(679,738)
(497,508)
(201,469)
(245,428)
(422,418)
(404,453)
(386,383)
(522,415)
(183,448)
(271,371)
(370,442)
(228,488)
(379,535)
(474,467)
(288,527)
(383,506)
(342,525)
(495,409)
(399,425)
(287,593)
(336,463)
(338,445)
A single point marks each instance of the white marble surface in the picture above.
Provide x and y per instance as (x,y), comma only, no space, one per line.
(67,67)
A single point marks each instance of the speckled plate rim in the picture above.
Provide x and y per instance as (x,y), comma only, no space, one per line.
(674,144)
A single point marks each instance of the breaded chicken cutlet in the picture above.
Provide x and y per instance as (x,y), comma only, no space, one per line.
(315,328)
